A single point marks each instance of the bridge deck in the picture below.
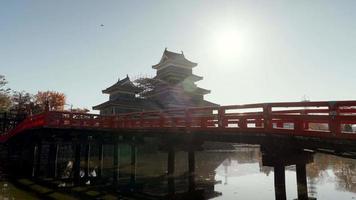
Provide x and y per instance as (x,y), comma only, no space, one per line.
(329,120)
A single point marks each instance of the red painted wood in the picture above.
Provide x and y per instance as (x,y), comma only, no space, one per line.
(313,119)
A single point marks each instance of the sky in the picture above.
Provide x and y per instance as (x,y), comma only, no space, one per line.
(247,51)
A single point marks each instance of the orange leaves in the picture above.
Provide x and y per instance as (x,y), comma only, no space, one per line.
(50,100)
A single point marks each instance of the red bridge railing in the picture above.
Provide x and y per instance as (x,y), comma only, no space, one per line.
(315,119)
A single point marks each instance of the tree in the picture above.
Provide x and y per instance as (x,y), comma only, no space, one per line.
(22,102)
(50,100)
(5,101)
(3,83)
(147,85)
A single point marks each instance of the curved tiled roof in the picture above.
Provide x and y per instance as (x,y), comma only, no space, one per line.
(169,56)
(122,85)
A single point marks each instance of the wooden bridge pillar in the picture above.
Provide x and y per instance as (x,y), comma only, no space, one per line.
(33,159)
(279,182)
(101,160)
(37,160)
(170,174)
(302,182)
(53,160)
(279,159)
(76,167)
(171,163)
(87,160)
(191,167)
(116,166)
(133,163)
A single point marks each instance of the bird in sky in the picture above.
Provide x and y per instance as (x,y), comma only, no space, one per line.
(101,25)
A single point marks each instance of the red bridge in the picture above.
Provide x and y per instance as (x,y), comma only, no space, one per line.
(322,120)
(286,133)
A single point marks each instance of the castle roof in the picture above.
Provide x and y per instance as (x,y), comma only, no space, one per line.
(194,77)
(176,59)
(199,90)
(137,104)
(124,85)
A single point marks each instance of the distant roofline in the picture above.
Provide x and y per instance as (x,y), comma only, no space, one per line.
(123,85)
(174,58)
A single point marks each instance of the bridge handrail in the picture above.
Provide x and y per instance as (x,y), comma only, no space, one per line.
(29,123)
(293,118)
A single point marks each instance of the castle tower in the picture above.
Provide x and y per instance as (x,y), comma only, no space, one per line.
(122,98)
(176,85)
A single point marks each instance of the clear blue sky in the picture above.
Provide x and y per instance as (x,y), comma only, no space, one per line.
(247,51)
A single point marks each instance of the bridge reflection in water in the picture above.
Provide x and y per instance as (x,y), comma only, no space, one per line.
(144,167)
(158,154)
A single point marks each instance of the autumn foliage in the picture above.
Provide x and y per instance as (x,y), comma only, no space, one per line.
(21,102)
(5,100)
(50,100)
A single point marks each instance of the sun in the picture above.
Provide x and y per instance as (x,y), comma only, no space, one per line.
(229,43)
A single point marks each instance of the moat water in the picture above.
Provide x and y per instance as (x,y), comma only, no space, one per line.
(235,172)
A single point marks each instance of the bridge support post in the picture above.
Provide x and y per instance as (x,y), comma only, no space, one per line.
(133,163)
(191,166)
(37,160)
(101,160)
(33,159)
(52,160)
(279,182)
(302,182)
(171,163)
(267,125)
(87,160)
(76,167)
(285,158)
(116,163)
(171,158)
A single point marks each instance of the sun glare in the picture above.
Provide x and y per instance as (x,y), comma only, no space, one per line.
(229,44)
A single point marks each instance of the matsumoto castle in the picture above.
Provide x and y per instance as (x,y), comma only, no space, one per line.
(174,87)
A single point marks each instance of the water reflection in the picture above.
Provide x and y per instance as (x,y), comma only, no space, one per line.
(152,171)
